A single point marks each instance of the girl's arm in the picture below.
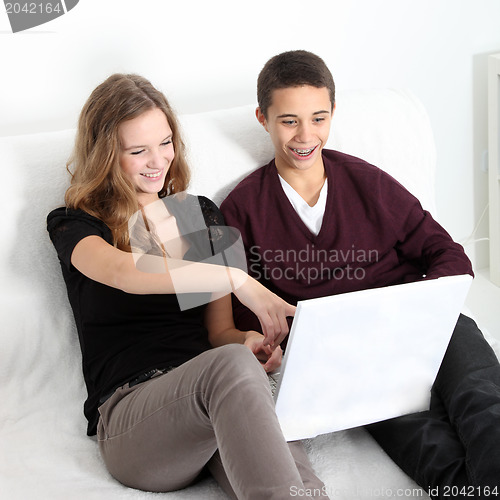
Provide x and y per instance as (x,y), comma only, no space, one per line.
(102,262)
(221,331)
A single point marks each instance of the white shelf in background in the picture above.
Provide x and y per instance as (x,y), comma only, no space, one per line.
(494,164)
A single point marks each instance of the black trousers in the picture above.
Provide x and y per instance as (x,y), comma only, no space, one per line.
(453,449)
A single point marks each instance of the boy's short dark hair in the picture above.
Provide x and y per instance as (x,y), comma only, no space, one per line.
(292,69)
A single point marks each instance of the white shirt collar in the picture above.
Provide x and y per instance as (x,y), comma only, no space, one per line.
(312,217)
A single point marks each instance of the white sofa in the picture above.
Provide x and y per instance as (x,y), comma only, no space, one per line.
(44,451)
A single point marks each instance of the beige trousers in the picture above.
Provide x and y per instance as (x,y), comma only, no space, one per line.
(216,410)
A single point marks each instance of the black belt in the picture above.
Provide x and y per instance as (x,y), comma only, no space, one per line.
(156,372)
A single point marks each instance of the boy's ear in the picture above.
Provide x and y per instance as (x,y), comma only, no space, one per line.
(261,118)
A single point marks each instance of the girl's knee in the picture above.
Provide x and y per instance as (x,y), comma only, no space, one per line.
(238,361)
(233,350)
(237,354)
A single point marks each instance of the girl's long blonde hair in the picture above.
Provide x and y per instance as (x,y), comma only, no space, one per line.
(98,185)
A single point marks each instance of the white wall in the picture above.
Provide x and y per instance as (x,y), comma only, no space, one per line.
(208,54)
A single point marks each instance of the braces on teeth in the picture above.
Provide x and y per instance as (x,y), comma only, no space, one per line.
(303,152)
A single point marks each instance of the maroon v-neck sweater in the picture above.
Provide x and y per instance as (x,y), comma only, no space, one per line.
(374,233)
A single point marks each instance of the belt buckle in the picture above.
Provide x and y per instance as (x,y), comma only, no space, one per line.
(146,376)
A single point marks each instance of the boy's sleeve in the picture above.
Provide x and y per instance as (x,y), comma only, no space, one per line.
(421,239)
(426,240)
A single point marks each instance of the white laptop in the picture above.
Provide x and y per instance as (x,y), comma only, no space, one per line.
(361,357)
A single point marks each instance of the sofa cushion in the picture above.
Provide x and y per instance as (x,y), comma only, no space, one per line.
(45,452)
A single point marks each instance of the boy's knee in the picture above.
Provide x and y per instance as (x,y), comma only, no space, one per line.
(466,323)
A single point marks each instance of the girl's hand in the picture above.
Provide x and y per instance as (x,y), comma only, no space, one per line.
(269,357)
(271,310)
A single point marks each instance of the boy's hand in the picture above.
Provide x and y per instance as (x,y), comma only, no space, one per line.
(270,357)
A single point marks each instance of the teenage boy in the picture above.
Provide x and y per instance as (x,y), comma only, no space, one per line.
(317,222)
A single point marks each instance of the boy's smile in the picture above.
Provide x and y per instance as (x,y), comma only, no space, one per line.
(298,122)
(304,153)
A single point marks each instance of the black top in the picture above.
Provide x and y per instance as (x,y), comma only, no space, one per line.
(123,335)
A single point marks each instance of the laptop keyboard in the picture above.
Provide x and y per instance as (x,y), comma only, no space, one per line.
(273,381)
